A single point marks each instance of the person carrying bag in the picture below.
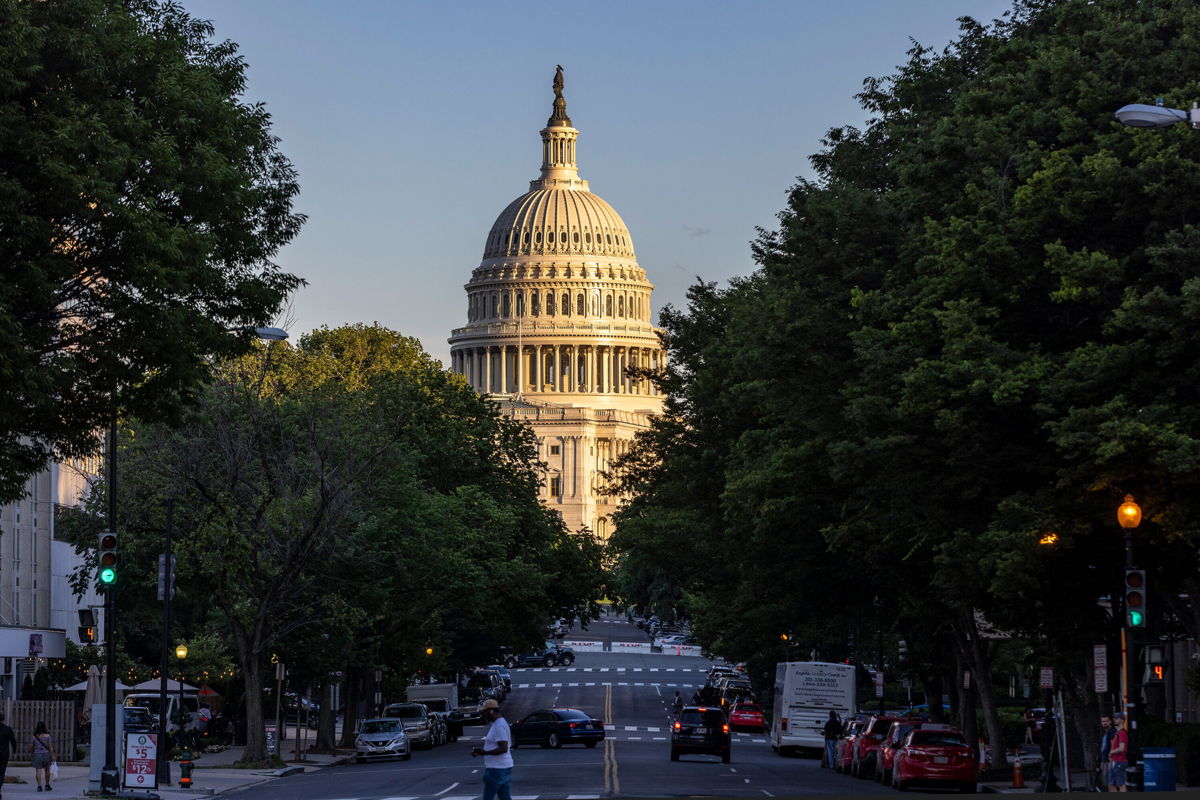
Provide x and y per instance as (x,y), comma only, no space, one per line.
(42,758)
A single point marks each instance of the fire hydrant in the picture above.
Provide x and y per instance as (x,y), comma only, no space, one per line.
(185,769)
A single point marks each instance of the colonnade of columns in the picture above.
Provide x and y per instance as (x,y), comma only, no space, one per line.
(564,368)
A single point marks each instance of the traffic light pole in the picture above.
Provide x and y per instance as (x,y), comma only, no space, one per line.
(1127,646)
(108,775)
(164,757)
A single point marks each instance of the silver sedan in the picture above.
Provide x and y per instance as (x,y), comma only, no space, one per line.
(382,738)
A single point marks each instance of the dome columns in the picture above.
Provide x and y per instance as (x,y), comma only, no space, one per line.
(550,369)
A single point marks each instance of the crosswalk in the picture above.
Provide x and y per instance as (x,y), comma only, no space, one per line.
(474,797)
(600,683)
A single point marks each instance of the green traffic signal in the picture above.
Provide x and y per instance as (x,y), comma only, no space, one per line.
(1137,619)
(108,575)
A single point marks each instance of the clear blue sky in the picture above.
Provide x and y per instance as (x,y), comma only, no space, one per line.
(414,124)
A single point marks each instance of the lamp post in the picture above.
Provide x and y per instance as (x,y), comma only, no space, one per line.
(109,774)
(181,652)
(1129,516)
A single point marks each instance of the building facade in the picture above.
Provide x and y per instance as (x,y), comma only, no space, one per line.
(558,311)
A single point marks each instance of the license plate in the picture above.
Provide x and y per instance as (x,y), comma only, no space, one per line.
(701,730)
(941,759)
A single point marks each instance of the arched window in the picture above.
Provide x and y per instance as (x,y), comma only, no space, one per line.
(608,306)
(537,238)
(550,304)
(595,303)
(621,306)
(587,237)
(581,368)
(576,237)
(566,304)
(526,237)
(550,237)
(520,304)
(505,306)
(579,304)
(533,303)
(608,236)
(549,368)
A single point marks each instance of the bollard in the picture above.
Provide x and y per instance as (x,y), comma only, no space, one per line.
(185,770)
(1018,781)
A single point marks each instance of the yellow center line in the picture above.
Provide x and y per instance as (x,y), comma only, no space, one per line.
(612,781)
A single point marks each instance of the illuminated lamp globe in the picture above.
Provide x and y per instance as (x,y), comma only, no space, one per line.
(1130,513)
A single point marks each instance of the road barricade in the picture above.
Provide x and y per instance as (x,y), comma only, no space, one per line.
(680,650)
(631,647)
(584,646)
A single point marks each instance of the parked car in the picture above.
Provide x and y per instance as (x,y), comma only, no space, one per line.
(440,725)
(559,629)
(471,693)
(745,714)
(843,751)
(552,655)
(866,746)
(383,737)
(420,727)
(502,671)
(554,727)
(892,740)
(700,729)
(936,758)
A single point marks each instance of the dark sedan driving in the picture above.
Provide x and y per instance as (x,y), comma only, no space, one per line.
(554,727)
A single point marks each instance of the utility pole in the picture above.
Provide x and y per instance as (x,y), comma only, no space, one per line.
(108,775)
(167,583)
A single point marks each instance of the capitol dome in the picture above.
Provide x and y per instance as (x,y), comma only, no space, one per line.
(547,222)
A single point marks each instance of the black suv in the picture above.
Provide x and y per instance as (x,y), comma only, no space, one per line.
(549,656)
(700,729)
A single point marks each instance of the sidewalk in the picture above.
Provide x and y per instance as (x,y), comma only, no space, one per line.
(214,774)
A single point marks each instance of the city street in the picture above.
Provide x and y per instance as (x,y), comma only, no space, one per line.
(632,693)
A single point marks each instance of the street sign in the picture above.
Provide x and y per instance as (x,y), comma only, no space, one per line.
(1101,680)
(879,683)
(1047,681)
(141,761)
(1100,655)
(272,739)
(966,679)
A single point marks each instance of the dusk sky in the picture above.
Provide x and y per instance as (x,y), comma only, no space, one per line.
(413,125)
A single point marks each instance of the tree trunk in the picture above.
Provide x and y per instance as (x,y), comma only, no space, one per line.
(966,699)
(326,721)
(353,684)
(1083,712)
(981,671)
(933,697)
(256,740)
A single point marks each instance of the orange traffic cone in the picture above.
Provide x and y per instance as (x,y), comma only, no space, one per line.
(1018,778)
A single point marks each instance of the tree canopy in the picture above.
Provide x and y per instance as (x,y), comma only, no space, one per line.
(142,201)
(977,324)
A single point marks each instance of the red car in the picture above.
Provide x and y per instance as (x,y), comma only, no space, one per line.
(746,715)
(896,735)
(866,746)
(843,751)
(936,758)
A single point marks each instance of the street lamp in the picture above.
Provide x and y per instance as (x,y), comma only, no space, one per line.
(181,652)
(1140,115)
(1129,516)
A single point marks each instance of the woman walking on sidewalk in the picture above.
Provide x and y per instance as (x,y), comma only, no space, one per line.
(42,748)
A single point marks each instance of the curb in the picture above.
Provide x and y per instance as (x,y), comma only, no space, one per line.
(283,773)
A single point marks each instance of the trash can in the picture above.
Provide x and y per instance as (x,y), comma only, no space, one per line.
(1158,769)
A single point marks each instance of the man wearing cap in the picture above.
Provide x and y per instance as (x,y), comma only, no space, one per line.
(1118,755)
(497,760)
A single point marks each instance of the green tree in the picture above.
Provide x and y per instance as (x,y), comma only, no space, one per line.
(139,195)
(976,325)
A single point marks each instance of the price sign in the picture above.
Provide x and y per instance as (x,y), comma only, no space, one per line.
(141,760)
(272,735)
(1047,678)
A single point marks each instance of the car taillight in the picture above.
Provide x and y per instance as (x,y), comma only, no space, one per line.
(573,724)
(678,725)
(724,729)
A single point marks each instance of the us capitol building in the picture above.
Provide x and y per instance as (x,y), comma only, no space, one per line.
(556,312)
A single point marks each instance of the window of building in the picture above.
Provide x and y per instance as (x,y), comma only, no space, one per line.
(555,449)
(579,305)
(608,306)
(587,237)
(620,306)
(555,486)
(506,305)
(566,304)
(550,305)
(550,237)
(534,300)
(576,237)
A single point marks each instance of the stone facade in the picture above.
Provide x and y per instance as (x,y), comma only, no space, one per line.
(557,312)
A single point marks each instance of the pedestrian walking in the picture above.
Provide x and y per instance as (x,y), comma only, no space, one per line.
(833,732)
(41,747)
(8,746)
(496,752)
(1106,735)
(677,705)
(1118,755)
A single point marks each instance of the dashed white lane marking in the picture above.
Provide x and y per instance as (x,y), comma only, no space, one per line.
(583,797)
(631,727)
(448,788)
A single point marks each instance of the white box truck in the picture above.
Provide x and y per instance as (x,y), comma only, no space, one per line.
(441,699)
(805,693)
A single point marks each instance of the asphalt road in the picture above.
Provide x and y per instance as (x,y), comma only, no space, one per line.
(632,693)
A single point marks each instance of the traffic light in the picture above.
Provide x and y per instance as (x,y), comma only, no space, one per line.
(1157,673)
(87,635)
(108,557)
(1135,597)
(87,626)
